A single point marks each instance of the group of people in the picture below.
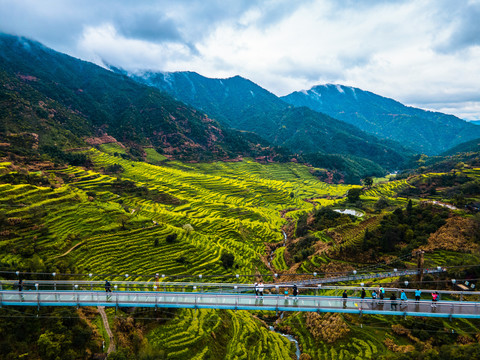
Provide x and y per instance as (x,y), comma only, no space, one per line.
(259,288)
(393,297)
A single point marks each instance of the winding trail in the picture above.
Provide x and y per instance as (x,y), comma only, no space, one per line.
(72,248)
(106,325)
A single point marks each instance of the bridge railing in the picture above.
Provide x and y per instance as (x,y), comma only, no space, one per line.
(367,276)
(238,301)
(205,287)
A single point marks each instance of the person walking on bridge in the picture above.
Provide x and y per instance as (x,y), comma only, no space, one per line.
(108,289)
(418,293)
(295,292)
(381,293)
(260,288)
(393,302)
(374,297)
(20,288)
(434,299)
(403,299)
(255,287)
(344,296)
(157,283)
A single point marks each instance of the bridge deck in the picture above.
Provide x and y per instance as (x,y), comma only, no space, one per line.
(232,301)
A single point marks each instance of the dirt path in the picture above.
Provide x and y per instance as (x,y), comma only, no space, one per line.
(111,345)
(73,247)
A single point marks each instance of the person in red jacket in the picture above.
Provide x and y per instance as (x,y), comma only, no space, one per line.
(434,299)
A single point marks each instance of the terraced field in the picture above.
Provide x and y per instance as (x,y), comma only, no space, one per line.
(359,346)
(238,213)
(279,259)
(387,189)
(90,222)
(219,335)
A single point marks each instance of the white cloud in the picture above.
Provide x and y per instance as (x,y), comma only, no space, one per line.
(103,44)
(420,52)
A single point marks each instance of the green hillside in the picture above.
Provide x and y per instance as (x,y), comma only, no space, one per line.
(67,102)
(466,147)
(101,175)
(423,131)
(125,217)
(243,105)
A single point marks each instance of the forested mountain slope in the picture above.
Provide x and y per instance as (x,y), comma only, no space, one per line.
(243,105)
(60,97)
(424,131)
(466,147)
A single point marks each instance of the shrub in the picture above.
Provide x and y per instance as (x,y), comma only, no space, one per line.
(171,238)
(114,169)
(326,327)
(381,203)
(353,194)
(227,260)
(187,227)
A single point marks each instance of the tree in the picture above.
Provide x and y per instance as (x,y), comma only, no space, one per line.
(227,260)
(368,181)
(409,207)
(49,345)
(381,203)
(123,219)
(171,238)
(353,194)
(188,228)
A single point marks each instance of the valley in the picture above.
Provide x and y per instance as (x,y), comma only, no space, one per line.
(86,221)
(175,177)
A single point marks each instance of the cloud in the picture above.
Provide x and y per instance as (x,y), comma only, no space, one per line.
(152,27)
(103,44)
(463,27)
(415,51)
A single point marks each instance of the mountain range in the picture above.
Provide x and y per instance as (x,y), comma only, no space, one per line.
(69,103)
(66,101)
(242,104)
(423,131)
(238,102)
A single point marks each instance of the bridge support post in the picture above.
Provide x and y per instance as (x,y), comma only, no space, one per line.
(420,262)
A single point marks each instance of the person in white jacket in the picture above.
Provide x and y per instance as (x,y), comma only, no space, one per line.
(260,288)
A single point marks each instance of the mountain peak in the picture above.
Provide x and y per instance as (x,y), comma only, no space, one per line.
(421,130)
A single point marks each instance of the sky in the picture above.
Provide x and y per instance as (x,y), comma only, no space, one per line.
(423,53)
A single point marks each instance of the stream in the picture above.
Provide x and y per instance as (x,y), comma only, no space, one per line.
(349,212)
(290,338)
